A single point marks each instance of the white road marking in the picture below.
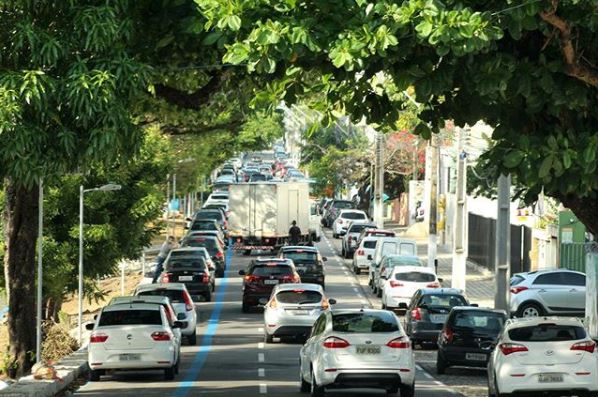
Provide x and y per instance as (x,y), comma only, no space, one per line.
(363,302)
(261,372)
(261,358)
(260,345)
(260,330)
(263,388)
(355,289)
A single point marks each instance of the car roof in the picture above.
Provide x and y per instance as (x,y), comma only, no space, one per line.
(132,306)
(347,210)
(294,286)
(478,309)
(282,261)
(532,321)
(404,257)
(123,300)
(441,291)
(544,271)
(361,223)
(365,310)
(419,269)
(159,286)
(379,231)
(188,249)
(299,247)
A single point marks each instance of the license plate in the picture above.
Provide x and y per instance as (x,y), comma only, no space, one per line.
(185,278)
(299,312)
(367,349)
(129,357)
(270,282)
(475,356)
(438,318)
(550,378)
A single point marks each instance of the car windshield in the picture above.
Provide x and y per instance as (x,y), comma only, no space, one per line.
(353,215)
(219,196)
(548,332)
(479,321)
(301,256)
(517,279)
(204,226)
(175,295)
(208,244)
(130,317)
(268,270)
(174,255)
(299,297)
(357,228)
(364,322)
(393,261)
(342,204)
(443,300)
(369,244)
(186,263)
(215,215)
(415,277)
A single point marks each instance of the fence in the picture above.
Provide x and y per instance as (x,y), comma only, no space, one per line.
(482,244)
(573,256)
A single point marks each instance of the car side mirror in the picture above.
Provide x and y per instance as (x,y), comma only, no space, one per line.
(186,227)
(403,305)
(440,280)
(177,324)
(324,259)
(332,301)
(263,301)
(188,219)
(474,305)
(89,326)
(95,316)
(181,316)
(370,258)
(241,272)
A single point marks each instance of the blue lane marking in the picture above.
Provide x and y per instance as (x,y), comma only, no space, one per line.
(206,342)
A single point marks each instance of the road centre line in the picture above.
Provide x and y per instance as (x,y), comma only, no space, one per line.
(260,345)
(261,358)
(263,388)
(260,330)
(261,372)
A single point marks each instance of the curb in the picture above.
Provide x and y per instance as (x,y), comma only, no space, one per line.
(69,369)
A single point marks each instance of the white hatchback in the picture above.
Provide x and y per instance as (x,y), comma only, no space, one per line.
(360,258)
(403,282)
(357,349)
(132,337)
(543,354)
(340,224)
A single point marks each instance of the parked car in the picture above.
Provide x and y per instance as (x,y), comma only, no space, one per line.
(428,310)
(132,337)
(293,309)
(366,248)
(402,284)
(349,241)
(548,292)
(543,355)
(340,224)
(213,246)
(262,275)
(366,348)
(181,302)
(382,272)
(193,272)
(333,209)
(308,262)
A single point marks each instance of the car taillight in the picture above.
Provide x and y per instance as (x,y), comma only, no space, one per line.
(516,290)
(206,278)
(395,284)
(98,337)
(251,278)
(360,252)
(188,301)
(219,255)
(349,239)
(509,348)
(160,336)
(340,221)
(291,279)
(273,304)
(399,343)
(433,285)
(447,334)
(416,314)
(333,342)
(584,346)
(166,277)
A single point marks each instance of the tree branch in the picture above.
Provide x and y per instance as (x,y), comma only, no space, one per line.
(194,100)
(573,67)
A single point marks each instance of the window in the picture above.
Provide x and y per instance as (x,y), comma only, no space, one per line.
(407,249)
(299,297)
(267,271)
(342,204)
(203,225)
(389,248)
(478,320)
(353,215)
(574,279)
(186,263)
(443,300)
(302,256)
(364,322)
(516,280)
(357,228)
(547,333)
(175,295)
(174,255)
(319,326)
(397,261)
(369,244)
(130,317)
(212,215)
(208,244)
(549,278)
(415,277)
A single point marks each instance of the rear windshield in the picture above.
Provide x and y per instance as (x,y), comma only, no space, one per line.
(175,295)
(516,280)
(301,257)
(204,226)
(407,249)
(475,320)
(547,333)
(380,234)
(220,196)
(299,297)
(186,254)
(342,204)
(215,215)
(364,322)
(415,277)
(186,263)
(353,215)
(358,228)
(443,300)
(276,270)
(130,317)
(208,244)
(404,262)
(369,244)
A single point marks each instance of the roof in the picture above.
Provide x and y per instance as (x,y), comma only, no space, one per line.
(299,247)
(544,271)
(379,231)
(441,291)
(405,269)
(133,306)
(407,258)
(167,286)
(294,286)
(531,321)
(281,261)
(347,210)
(123,300)
(362,310)
(188,249)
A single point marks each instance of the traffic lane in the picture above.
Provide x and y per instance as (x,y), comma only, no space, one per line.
(470,382)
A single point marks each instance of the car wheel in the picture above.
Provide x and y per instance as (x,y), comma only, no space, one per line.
(530,310)
(208,297)
(177,365)
(356,270)
(169,373)
(378,292)
(94,375)
(407,390)
(392,391)
(192,339)
(441,364)
(305,386)
(247,252)
(384,307)
(245,307)
(334,235)
(316,390)
(268,338)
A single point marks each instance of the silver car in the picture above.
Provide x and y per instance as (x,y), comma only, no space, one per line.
(293,309)
(548,292)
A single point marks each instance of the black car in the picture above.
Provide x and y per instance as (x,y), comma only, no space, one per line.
(210,214)
(261,276)
(468,337)
(193,272)
(308,262)
(427,312)
(211,244)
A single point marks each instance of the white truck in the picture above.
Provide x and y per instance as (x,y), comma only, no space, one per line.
(261,214)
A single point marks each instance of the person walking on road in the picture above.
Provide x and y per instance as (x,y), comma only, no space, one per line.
(294,233)
(165,249)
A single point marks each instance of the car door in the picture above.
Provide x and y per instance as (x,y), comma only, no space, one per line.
(308,350)
(576,288)
(551,292)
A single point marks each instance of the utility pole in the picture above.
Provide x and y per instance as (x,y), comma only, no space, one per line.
(503,243)
(40,272)
(174,201)
(379,185)
(460,217)
(433,203)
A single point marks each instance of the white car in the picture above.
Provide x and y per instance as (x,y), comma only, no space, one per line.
(181,302)
(543,354)
(357,348)
(403,282)
(340,224)
(293,309)
(132,337)
(220,197)
(360,258)
(349,241)
(388,263)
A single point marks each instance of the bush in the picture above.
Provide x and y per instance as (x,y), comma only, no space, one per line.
(57,342)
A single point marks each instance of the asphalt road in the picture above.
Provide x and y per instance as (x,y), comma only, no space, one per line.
(231,358)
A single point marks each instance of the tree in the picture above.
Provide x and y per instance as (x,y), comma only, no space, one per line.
(527,69)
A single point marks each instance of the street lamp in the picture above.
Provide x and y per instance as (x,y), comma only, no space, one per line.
(104,188)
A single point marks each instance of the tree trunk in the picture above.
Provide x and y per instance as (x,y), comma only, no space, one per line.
(20,222)
(586,210)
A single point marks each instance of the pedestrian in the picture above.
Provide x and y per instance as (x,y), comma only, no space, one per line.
(294,233)
(165,249)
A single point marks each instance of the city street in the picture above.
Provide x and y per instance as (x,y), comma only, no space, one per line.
(232,358)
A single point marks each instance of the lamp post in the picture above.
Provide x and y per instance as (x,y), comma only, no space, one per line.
(105,188)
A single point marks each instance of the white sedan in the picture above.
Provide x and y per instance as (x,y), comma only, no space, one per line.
(403,282)
(543,354)
(357,348)
(132,337)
